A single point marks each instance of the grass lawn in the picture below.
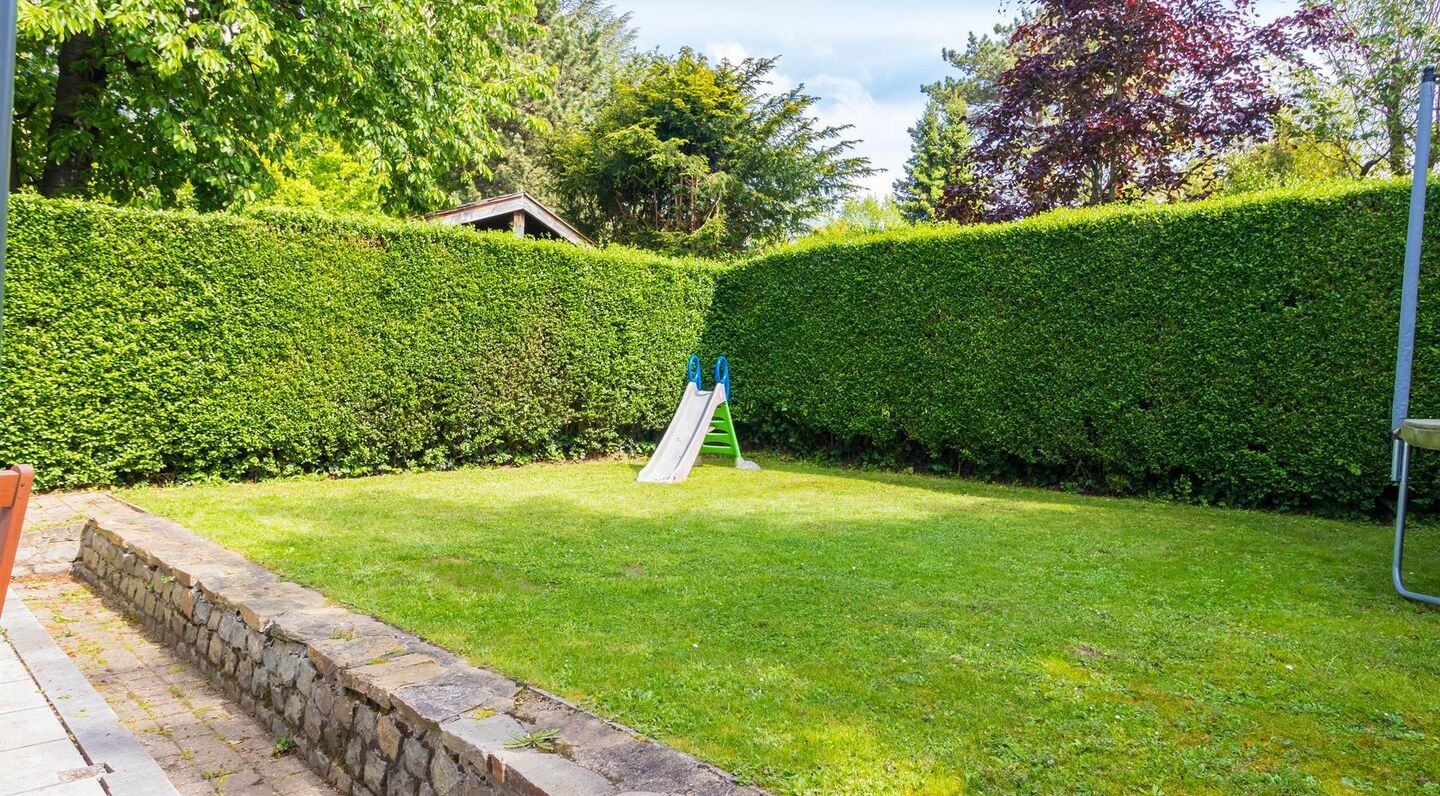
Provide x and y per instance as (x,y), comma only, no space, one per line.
(821,630)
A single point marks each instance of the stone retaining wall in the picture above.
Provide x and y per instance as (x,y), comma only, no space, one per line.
(373,709)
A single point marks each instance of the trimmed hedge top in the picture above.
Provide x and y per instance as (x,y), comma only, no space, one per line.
(1238,351)
(141,344)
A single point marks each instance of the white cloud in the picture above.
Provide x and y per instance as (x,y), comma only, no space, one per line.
(732,51)
(839,21)
(865,61)
(882,125)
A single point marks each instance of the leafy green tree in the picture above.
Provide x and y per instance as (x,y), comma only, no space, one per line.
(322,175)
(1360,101)
(691,156)
(1291,155)
(943,134)
(938,142)
(860,215)
(144,100)
(584,43)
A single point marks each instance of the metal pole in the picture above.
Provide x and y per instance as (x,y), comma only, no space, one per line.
(1397,561)
(7,106)
(1410,288)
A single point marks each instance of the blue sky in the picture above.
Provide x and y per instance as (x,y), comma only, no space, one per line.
(865,60)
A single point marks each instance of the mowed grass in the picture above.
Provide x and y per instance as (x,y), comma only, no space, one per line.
(827,631)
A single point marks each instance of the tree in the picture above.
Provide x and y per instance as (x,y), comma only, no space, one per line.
(321,175)
(860,215)
(583,42)
(1361,102)
(135,101)
(938,142)
(943,134)
(1111,101)
(1292,155)
(696,157)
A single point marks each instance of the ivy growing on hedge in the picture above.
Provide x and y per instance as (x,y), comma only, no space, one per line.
(1237,351)
(140,344)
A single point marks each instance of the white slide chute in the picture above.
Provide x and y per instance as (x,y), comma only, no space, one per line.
(702,424)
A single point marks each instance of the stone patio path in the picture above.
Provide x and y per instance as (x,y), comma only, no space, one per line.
(205,744)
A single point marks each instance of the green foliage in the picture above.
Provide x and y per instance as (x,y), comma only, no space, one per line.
(938,142)
(284,745)
(323,176)
(143,344)
(860,216)
(134,101)
(1361,99)
(695,157)
(543,740)
(1238,351)
(584,43)
(942,135)
(1292,156)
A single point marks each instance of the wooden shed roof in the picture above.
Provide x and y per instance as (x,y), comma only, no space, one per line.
(504,207)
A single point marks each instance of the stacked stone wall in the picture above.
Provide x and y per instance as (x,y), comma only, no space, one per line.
(375,710)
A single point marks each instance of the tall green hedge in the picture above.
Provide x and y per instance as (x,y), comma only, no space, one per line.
(140,344)
(1236,351)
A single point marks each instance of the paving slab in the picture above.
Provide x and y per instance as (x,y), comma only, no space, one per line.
(20,695)
(40,765)
(30,727)
(11,669)
(84,787)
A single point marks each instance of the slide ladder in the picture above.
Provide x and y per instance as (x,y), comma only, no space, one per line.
(702,424)
(721,436)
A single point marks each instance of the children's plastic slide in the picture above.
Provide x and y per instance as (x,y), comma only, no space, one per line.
(702,424)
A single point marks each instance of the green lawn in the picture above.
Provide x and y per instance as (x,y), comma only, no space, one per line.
(821,631)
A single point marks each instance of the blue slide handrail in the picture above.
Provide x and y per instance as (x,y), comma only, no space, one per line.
(722,374)
(693,372)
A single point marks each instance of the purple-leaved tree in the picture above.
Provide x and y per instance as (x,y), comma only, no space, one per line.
(1118,100)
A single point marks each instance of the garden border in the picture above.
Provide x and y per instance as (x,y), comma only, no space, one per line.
(373,709)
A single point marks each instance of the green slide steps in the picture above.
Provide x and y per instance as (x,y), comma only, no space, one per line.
(721,437)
